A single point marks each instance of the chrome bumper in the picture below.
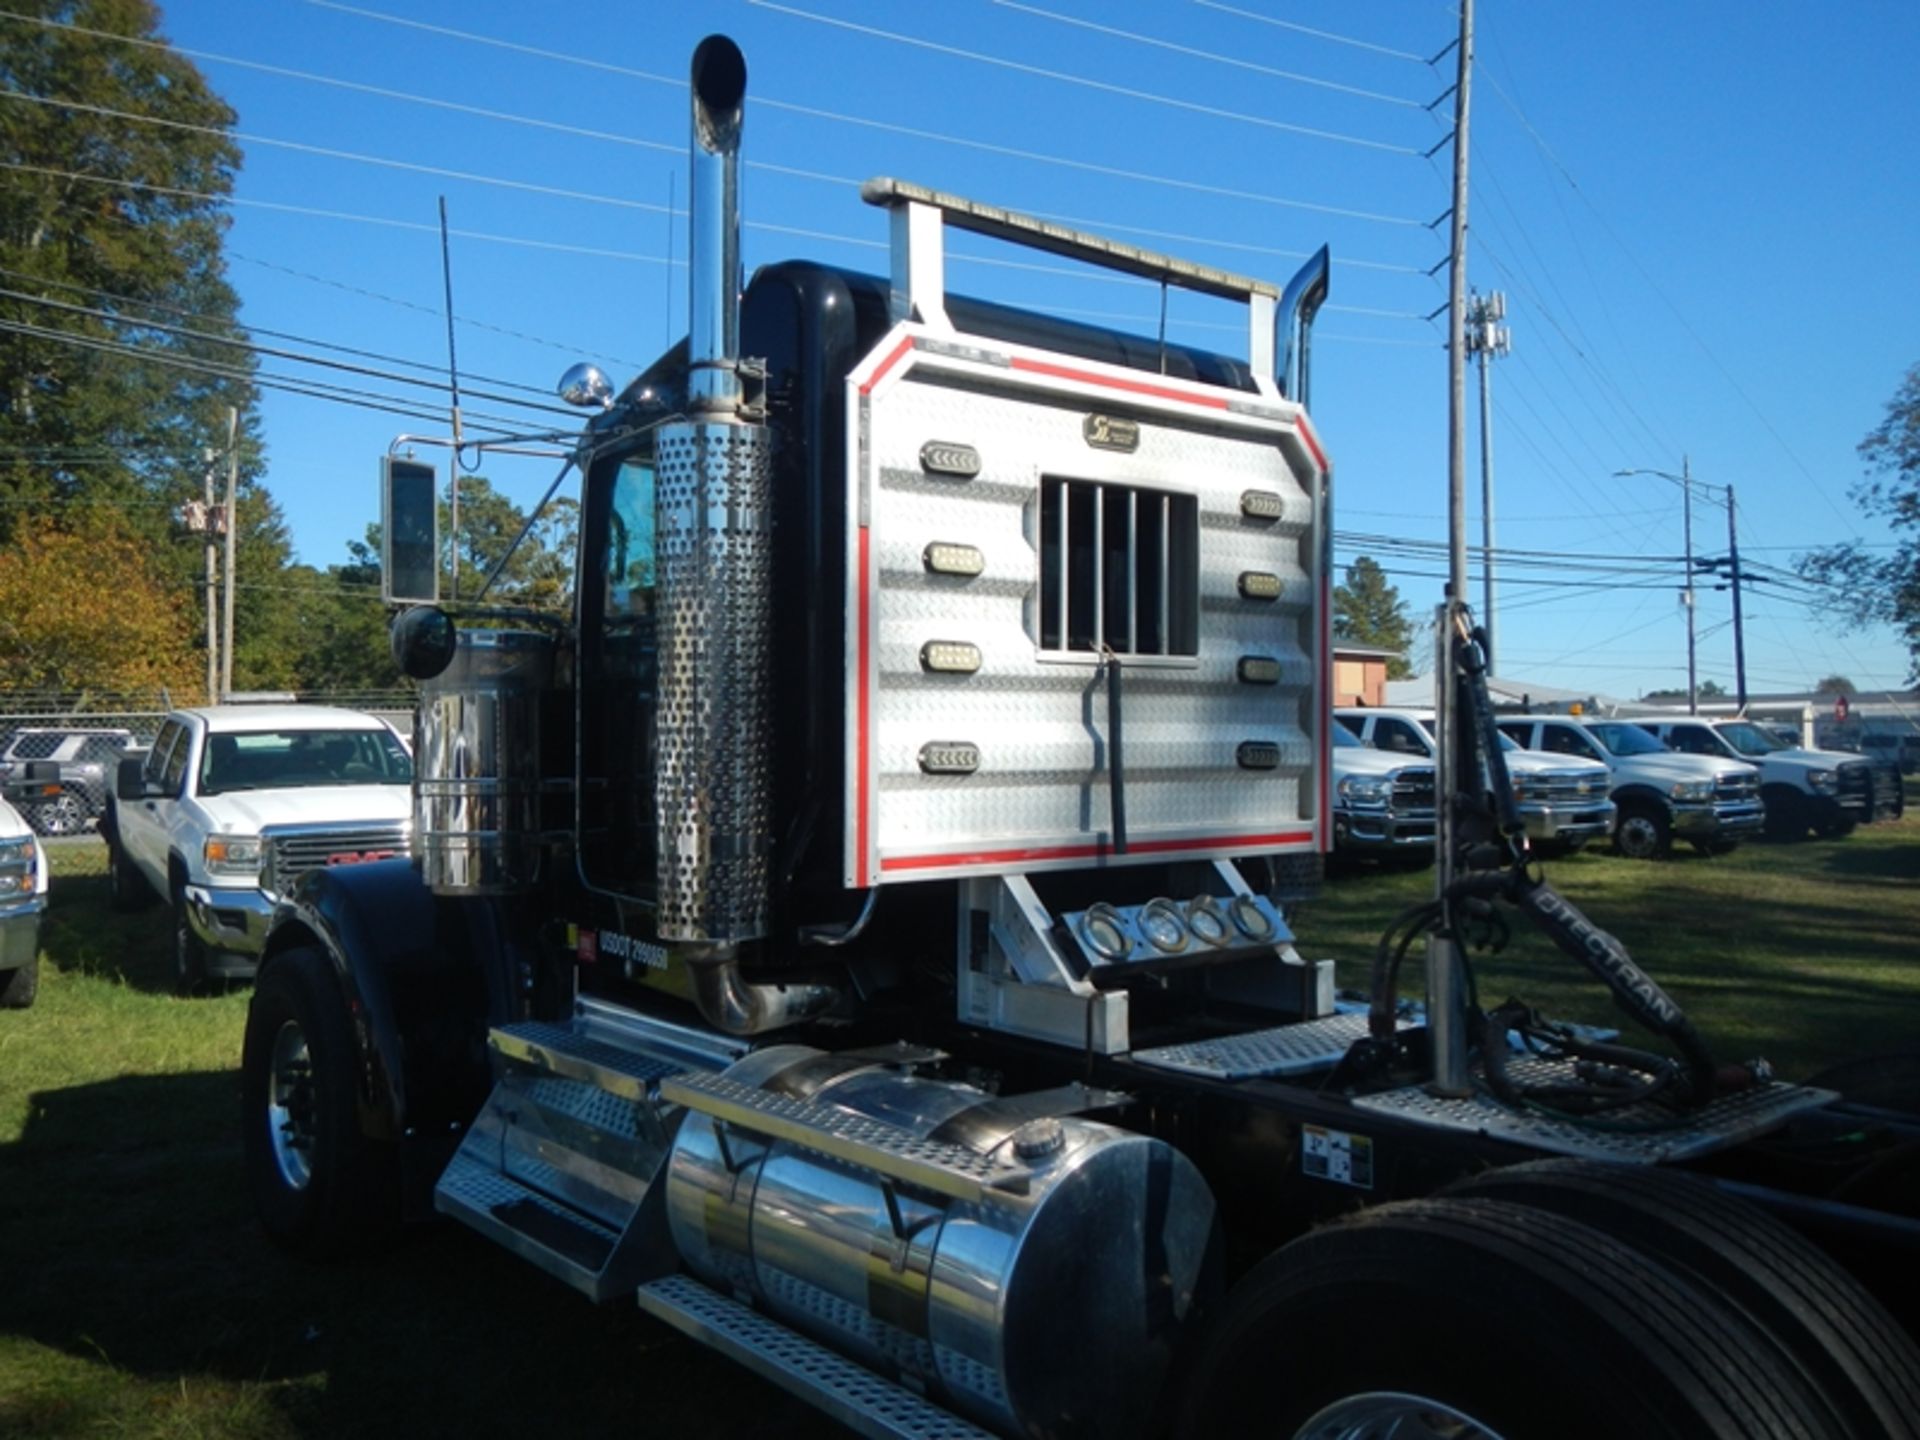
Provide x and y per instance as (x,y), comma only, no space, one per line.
(1381,830)
(1719,822)
(20,932)
(1571,822)
(232,924)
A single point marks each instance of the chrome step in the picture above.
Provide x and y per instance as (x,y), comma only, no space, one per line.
(950,1170)
(1283,1050)
(859,1399)
(563,1050)
(559,1164)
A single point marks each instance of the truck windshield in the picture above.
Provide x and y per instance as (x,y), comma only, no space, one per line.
(1624,739)
(1748,738)
(295,759)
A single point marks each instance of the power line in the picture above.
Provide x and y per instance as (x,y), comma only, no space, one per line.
(1327,35)
(1209,55)
(1084,81)
(886,126)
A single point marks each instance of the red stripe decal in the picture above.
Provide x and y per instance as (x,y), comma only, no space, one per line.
(1312,443)
(862,706)
(1090,852)
(1326,713)
(893,358)
(1113,382)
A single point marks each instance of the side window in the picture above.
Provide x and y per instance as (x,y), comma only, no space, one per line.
(176,770)
(37,747)
(1399,737)
(1564,740)
(1520,734)
(1353,723)
(1692,739)
(162,747)
(618,665)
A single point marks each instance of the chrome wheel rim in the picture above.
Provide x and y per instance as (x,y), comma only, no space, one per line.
(1391,1415)
(290,1105)
(1638,836)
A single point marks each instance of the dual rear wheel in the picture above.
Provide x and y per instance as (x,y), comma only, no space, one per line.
(1561,1298)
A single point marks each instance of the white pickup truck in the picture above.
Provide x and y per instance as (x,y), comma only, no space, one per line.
(1825,791)
(1712,803)
(1562,798)
(23,896)
(234,803)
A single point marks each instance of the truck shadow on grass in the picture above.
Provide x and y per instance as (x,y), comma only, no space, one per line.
(83,934)
(1879,864)
(129,1249)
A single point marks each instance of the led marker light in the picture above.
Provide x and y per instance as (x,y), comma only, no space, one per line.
(950,657)
(1259,585)
(944,559)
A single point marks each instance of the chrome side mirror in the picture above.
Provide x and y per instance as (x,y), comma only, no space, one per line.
(584,385)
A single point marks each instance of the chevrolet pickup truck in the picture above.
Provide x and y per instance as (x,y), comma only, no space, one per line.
(1562,798)
(23,897)
(233,804)
(1658,795)
(1825,791)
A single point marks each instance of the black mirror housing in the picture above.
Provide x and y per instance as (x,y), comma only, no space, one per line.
(129,779)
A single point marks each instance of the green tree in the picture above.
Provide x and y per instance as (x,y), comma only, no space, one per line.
(1369,611)
(1868,587)
(1835,685)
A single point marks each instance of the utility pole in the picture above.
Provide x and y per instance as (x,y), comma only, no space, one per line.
(208,541)
(1686,501)
(232,518)
(1446,978)
(1739,634)
(1487,338)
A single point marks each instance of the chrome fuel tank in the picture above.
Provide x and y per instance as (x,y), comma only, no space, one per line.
(1053,1313)
(476,759)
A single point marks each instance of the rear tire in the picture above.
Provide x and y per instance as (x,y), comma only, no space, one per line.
(189,951)
(127,888)
(1643,832)
(20,986)
(1528,1324)
(1853,1354)
(320,1187)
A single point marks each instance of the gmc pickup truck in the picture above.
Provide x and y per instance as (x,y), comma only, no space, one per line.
(234,803)
(1658,795)
(1562,798)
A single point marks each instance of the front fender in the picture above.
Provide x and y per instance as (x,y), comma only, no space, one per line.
(414,971)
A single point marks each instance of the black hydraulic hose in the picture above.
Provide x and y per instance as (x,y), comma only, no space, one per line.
(1116,773)
(1471,659)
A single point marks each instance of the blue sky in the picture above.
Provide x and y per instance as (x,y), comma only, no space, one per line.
(1703,218)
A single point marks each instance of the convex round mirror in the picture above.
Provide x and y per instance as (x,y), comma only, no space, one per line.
(423,641)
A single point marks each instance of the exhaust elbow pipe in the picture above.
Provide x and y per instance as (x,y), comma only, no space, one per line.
(730,1003)
(1299,303)
(718,83)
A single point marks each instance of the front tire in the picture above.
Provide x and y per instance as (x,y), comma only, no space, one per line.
(20,986)
(1518,1323)
(1643,832)
(189,951)
(320,1187)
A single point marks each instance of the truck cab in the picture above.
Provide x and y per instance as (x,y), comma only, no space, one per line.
(1562,799)
(1825,791)
(1658,795)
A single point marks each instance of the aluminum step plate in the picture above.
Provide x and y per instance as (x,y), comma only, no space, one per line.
(1284,1050)
(951,1170)
(561,1241)
(1725,1122)
(856,1397)
(562,1050)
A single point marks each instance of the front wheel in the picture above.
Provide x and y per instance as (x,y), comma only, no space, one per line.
(189,951)
(1522,1324)
(1643,832)
(320,1186)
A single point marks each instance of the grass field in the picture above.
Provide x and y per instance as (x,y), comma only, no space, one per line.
(137,1298)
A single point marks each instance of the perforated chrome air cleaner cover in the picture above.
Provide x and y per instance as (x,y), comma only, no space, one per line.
(713,593)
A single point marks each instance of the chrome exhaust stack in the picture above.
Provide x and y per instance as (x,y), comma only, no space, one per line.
(714,583)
